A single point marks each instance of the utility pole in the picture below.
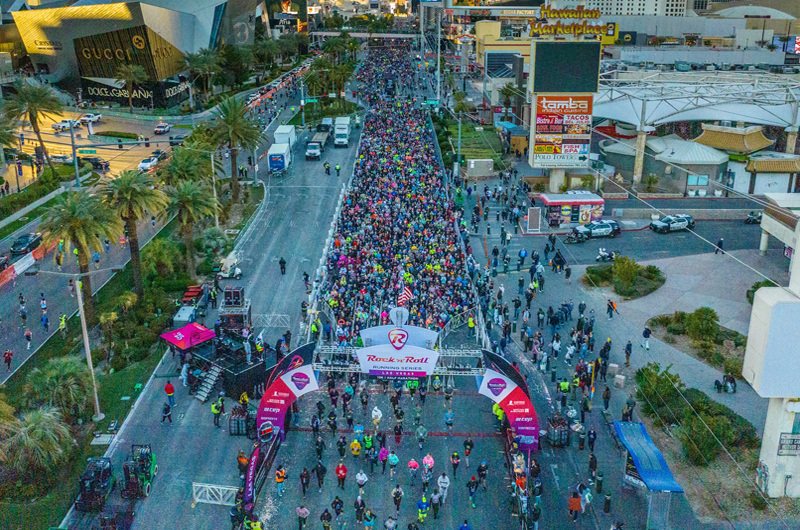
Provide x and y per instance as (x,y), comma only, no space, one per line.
(98,416)
(439,58)
(74,157)
(302,103)
(422,31)
(214,186)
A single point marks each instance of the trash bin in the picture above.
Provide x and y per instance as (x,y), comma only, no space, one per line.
(582,441)
(607,504)
(599,483)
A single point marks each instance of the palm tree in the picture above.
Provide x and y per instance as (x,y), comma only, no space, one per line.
(190,202)
(288,47)
(184,164)
(107,323)
(208,67)
(32,104)
(160,258)
(64,382)
(354,46)
(508,91)
(193,64)
(37,442)
(339,76)
(214,239)
(8,138)
(130,196)
(461,106)
(265,51)
(6,410)
(235,129)
(315,84)
(130,75)
(83,221)
(334,47)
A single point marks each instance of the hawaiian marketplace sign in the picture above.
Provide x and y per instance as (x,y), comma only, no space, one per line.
(576,22)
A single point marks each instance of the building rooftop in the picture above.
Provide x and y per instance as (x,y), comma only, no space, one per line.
(734,140)
(772,162)
(753,12)
(671,149)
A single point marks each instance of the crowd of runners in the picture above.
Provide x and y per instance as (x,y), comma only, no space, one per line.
(397,227)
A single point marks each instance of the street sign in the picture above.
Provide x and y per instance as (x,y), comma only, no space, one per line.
(87,151)
(19,167)
(311,101)
(789,444)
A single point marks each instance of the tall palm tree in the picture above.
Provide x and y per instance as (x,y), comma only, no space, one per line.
(265,51)
(130,75)
(83,221)
(354,46)
(8,138)
(233,128)
(508,91)
(190,202)
(193,64)
(339,76)
(209,66)
(184,164)
(130,195)
(34,103)
(64,382)
(160,258)
(288,47)
(37,442)
(315,84)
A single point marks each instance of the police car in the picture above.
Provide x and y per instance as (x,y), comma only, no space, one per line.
(672,223)
(598,229)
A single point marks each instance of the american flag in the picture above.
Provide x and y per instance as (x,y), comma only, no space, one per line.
(405,296)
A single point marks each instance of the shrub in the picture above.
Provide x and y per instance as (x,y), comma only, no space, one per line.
(652,272)
(669,339)
(661,320)
(733,367)
(539,187)
(699,437)
(587,182)
(705,349)
(599,275)
(744,434)
(757,501)
(676,329)
(119,134)
(702,324)
(679,317)
(751,292)
(658,391)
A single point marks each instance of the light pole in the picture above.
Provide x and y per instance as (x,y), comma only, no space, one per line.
(439,58)
(74,155)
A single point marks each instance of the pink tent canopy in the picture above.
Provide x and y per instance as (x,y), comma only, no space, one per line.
(188,336)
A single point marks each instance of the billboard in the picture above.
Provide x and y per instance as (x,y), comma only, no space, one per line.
(562,131)
(565,67)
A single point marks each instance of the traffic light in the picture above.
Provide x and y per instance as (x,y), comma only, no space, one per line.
(249,160)
(147,142)
(21,139)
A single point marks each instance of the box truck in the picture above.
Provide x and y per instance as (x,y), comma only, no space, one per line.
(285,134)
(316,146)
(280,157)
(341,136)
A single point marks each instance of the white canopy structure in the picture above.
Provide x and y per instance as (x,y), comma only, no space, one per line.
(647,99)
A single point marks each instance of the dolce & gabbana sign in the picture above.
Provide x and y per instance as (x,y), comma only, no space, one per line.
(47,45)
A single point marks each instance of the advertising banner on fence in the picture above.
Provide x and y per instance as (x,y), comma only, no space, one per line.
(563,131)
(289,379)
(505,386)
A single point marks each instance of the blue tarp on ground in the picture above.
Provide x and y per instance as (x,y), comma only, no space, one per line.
(648,460)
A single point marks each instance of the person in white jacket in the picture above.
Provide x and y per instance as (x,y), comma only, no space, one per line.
(444,483)
(361,479)
(377,415)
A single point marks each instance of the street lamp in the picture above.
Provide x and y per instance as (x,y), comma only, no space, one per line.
(98,416)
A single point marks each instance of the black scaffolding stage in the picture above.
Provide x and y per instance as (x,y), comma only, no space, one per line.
(237,375)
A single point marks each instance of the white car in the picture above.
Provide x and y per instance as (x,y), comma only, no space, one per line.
(162,128)
(61,159)
(63,125)
(93,118)
(148,163)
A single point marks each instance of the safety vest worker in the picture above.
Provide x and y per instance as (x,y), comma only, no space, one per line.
(62,324)
(280,476)
(471,322)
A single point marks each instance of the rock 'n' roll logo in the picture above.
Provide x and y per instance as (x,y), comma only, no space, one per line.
(398,338)
(300,380)
(496,386)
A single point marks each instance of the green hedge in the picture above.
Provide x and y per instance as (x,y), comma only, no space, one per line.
(119,134)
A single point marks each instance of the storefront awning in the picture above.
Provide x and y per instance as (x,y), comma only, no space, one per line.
(571,198)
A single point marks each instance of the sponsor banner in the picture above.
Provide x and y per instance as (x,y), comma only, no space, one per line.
(397,374)
(386,357)
(250,477)
(301,380)
(515,403)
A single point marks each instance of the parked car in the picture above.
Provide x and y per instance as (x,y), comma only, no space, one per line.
(672,223)
(159,154)
(61,159)
(598,229)
(63,125)
(96,161)
(162,128)
(148,163)
(93,118)
(24,244)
